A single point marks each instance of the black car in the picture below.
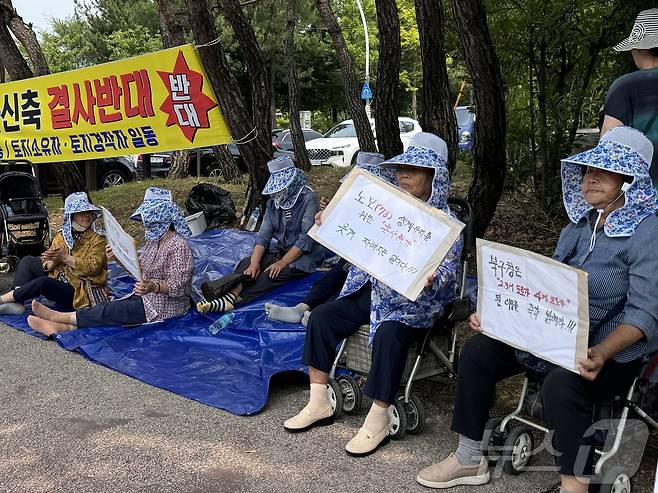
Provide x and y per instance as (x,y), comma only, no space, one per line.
(110,172)
(161,162)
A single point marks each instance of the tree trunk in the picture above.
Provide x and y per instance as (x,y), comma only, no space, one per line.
(438,115)
(387,108)
(414,104)
(489,146)
(296,133)
(227,167)
(230,100)
(68,176)
(355,106)
(253,56)
(173,34)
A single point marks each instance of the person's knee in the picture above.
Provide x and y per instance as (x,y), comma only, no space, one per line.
(470,357)
(558,387)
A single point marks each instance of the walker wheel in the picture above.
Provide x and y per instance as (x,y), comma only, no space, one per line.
(415,412)
(335,397)
(351,392)
(397,420)
(518,450)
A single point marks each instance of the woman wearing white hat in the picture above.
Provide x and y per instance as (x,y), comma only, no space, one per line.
(613,236)
(167,267)
(394,321)
(632,99)
(283,250)
(72,272)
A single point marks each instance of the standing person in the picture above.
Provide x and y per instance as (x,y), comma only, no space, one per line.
(72,272)
(632,99)
(167,267)
(283,249)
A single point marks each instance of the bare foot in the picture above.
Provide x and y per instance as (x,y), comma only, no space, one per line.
(46,313)
(46,327)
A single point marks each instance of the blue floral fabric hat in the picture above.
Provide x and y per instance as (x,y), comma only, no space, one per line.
(74,203)
(282,174)
(427,150)
(621,150)
(370,161)
(157,212)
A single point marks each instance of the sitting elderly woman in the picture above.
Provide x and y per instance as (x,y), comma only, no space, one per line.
(330,284)
(167,267)
(72,272)
(613,236)
(283,250)
(394,320)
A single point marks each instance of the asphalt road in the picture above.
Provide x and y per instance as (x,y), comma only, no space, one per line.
(67,424)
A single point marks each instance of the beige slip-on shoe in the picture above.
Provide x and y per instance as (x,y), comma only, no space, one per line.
(304,420)
(365,442)
(449,472)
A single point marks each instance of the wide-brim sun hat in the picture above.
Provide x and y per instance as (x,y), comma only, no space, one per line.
(425,150)
(73,204)
(158,212)
(644,34)
(282,173)
(622,150)
(429,151)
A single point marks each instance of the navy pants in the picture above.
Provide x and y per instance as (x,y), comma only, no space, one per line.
(328,286)
(33,281)
(567,398)
(253,288)
(332,322)
(127,311)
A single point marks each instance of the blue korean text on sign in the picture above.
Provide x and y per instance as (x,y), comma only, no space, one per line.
(366,93)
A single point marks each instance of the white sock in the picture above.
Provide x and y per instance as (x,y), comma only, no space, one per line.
(377,419)
(307,314)
(291,314)
(318,400)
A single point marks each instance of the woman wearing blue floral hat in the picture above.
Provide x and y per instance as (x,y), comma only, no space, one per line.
(613,236)
(72,272)
(394,321)
(283,250)
(167,268)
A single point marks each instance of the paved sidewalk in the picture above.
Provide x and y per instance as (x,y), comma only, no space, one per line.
(68,425)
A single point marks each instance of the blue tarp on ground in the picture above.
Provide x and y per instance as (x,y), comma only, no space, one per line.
(230,370)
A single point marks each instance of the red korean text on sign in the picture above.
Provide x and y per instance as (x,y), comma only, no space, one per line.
(186,105)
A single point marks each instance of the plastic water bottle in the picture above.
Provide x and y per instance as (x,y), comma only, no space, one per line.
(221,323)
(253,219)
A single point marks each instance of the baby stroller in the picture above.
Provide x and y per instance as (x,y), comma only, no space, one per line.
(435,354)
(25,226)
(510,439)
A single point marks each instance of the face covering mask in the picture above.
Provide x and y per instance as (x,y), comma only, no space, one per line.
(279,197)
(600,212)
(76,227)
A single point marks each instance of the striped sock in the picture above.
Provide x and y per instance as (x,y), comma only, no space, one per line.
(223,304)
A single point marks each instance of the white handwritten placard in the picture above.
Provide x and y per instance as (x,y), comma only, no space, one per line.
(123,245)
(533,303)
(393,236)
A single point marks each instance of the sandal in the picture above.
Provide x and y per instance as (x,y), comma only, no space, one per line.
(213,290)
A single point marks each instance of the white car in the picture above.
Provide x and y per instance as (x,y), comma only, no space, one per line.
(339,146)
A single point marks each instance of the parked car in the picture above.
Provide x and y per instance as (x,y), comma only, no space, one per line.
(110,172)
(465,128)
(161,162)
(283,139)
(339,146)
